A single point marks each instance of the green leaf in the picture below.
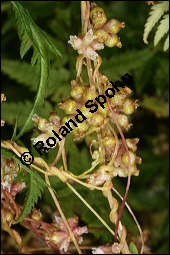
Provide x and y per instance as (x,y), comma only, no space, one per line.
(10,110)
(166,44)
(16,124)
(31,35)
(157,10)
(24,73)
(133,249)
(129,61)
(34,192)
(162,29)
(157,106)
(20,71)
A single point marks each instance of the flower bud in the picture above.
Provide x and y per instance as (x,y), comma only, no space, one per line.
(98,16)
(54,118)
(128,155)
(36,215)
(131,143)
(112,41)
(118,99)
(77,91)
(128,106)
(102,35)
(90,94)
(9,216)
(85,112)
(123,121)
(113,26)
(69,106)
(82,127)
(104,111)
(97,120)
(109,141)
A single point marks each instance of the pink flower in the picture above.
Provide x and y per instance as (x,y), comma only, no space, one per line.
(98,179)
(112,249)
(86,46)
(62,237)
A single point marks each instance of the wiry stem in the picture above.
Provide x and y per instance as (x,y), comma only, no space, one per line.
(63,217)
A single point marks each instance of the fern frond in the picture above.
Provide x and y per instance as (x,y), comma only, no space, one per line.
(166,44)
(162,29)
(157,11)
(32,36)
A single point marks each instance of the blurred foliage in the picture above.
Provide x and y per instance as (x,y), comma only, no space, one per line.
(147,64)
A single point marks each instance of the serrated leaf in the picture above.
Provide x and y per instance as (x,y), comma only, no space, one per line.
(166,44)
(10,110)
(129,61)
(162,29)
(157,10)
(157,106)
(20,71)
(133,249)
(24,73)
(31,35)
(34,192)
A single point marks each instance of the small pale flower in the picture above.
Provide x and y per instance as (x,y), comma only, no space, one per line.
(62,237)
(75,42)
(89,37)
(97,251)
(98,179)
(86,46)
(116,247)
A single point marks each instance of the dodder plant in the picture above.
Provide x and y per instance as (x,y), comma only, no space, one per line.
(112,154)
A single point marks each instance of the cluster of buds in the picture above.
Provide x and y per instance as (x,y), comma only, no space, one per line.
(123,107)
(101,32)
(94,118)
(106,31)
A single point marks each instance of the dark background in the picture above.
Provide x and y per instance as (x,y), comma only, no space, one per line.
(148,196)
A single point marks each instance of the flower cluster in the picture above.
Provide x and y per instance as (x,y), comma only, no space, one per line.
(100,33)
(106,31)
(9,170)
(62,237)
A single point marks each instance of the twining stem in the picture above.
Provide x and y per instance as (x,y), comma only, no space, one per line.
(91,209)
(116,146)
(134,217)
(63,216)
(129,176)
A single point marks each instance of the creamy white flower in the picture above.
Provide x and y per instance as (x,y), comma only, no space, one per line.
(6,185)
(98,46)
(97,251)
(86,46)
(116,247)
(75,42)
(89,53)
(89,37)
